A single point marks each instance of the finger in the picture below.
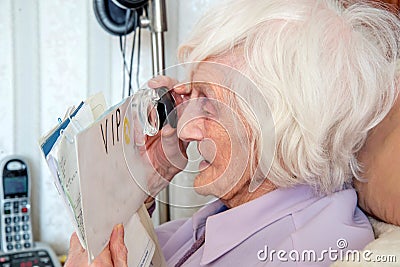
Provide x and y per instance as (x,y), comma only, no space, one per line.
(162,81)
(179,98)
(139,137)
(170,83)
(174,150)
(167,131)
(75,244)
(180,105)
(182,89)
(76,255)
(180,92)
(170,141)
(119,252)
(103,259)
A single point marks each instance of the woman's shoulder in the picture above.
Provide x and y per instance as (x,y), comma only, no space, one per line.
(321,228)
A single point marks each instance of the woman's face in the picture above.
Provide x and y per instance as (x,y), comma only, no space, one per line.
(220,132)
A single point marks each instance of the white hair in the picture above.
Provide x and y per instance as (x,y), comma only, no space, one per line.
(326,69)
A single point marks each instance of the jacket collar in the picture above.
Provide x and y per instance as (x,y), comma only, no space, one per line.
(200,217)
(226,230)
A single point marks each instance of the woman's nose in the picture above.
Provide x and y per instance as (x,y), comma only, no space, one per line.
(190,130)
(191,123)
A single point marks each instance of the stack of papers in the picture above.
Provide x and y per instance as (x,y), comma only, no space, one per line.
(85,154)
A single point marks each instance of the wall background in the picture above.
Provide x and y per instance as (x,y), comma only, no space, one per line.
(53,54)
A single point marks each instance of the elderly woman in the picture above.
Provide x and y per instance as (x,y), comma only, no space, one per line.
(279,101)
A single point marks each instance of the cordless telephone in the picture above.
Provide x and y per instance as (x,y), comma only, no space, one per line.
(16,227)
(17,248)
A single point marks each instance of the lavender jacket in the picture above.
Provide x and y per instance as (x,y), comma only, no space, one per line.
(286,227)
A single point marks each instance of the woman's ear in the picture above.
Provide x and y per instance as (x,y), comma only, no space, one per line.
(380,158)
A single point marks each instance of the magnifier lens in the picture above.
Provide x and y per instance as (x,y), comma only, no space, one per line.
(155,108)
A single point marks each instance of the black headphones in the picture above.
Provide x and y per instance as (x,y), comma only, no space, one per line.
(132,4)
(114,19)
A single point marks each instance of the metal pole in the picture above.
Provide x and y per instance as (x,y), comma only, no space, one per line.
(157,52)
(158,25)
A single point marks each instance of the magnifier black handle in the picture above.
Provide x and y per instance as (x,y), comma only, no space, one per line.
(166,108)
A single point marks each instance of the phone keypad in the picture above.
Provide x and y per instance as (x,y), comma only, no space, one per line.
(39,258)
(16,221)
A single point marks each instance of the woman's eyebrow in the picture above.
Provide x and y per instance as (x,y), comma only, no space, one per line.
(205,89)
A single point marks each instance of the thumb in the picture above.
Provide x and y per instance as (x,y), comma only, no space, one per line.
(173,148)
(75,244)
(119,252)
(77,255)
